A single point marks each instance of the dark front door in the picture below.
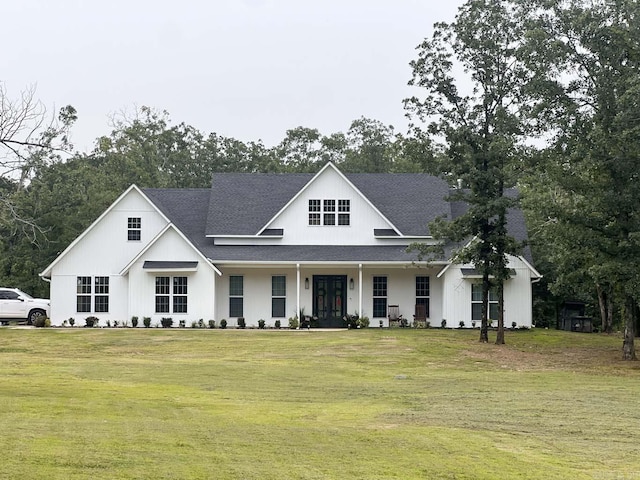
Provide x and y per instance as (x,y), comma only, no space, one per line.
(330,300)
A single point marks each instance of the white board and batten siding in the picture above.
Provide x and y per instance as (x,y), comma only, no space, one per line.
(201,281)
(517,294)
(103,250)
(329,186)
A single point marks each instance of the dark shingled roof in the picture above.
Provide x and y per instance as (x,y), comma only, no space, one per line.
(242,204)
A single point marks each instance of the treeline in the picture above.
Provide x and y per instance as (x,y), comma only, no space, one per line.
(63,197)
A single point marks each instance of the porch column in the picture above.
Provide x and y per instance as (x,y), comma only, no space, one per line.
(298,289)
(360,312)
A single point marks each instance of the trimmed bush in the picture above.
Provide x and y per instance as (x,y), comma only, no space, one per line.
(212,324)
(261,324)
(146,321)
(278,324)
(166,322)
(241,322)
(223,323)
(134,322)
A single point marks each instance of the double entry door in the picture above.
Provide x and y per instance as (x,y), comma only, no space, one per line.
(330,300)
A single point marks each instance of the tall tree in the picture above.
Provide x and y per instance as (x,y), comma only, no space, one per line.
(29,138)
(588,77)
(481,128)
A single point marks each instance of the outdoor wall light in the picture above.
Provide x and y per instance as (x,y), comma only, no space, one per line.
(306,283)
(351,284)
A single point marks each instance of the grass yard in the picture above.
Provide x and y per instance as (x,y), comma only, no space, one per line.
(372,404)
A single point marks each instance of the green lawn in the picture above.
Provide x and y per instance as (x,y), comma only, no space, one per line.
(371,404)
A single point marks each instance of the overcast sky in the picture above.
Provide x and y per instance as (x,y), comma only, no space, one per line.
(248,69)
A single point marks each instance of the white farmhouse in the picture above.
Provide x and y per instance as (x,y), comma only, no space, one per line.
(268,246)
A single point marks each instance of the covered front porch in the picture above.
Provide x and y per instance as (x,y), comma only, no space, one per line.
(324,293)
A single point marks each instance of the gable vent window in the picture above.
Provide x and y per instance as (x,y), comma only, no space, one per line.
(329,212)
(134,229)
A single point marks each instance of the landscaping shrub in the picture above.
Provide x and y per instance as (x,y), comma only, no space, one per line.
(212,324)
(293,323)
(261,324)
(166,322)
(134,322)
(146,321)
(241,322)
(223,323)
(278,324)
(91,321)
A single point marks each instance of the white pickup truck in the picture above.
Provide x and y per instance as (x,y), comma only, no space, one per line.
(17,305)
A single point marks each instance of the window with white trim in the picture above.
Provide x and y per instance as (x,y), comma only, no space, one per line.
(101,298)
(278,296)
(476,303)
(379,297)
(83,295)
(329,212)
(134,229)
(422,292)
(92,291)
(236,296)
(171,294)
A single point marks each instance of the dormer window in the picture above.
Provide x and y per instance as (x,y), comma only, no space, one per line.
(324,212)
(134,229)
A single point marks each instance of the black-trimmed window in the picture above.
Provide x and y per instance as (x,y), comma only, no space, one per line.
(134,229)
(278,296)
(162,294)
(179,294)
(236,296)
(344,212)
(329,212)
(379,297)
(101,298)
(314,212)
(171,294)
(422,292)
(476,303)
(83,295)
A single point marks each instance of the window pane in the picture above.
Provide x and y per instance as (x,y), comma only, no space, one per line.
(278,286)
(235,307)
(84,285)
(493,311)
(101,303)
(236,286)
(329,218)
(380,287)
(179,285)
(162,304)
(344,205)
(476,311)
(425,302)
(314,205)
(102,285)
(344,219)
(314,219)
(422,286)
(83,303)
(278,307)
(329,205)
(476,292)
(180,304)
(162,286)
(379,307)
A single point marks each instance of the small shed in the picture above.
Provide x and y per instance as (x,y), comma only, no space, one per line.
(571,317)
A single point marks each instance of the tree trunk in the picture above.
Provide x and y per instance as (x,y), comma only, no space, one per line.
(605,302)
(628,347)
(500,336)
(484,328)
